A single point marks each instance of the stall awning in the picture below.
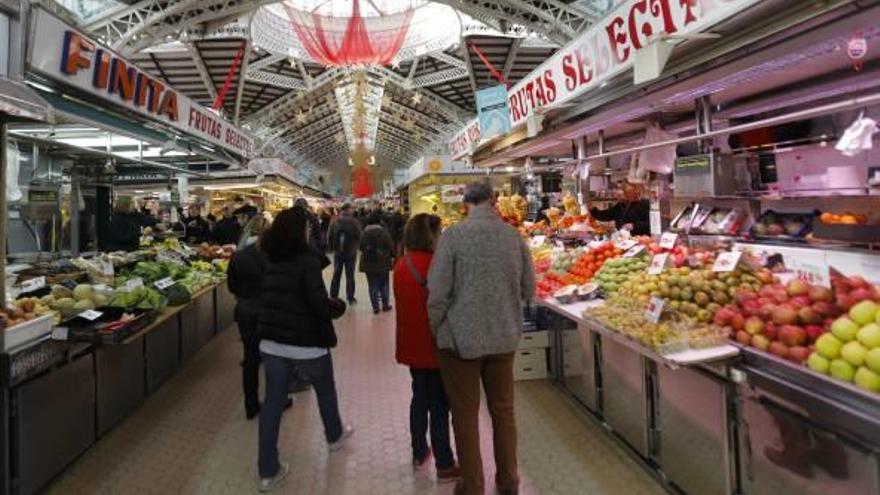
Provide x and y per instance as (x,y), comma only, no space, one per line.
(21,101)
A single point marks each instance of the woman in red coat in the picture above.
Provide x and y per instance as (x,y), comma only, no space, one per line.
(416,349)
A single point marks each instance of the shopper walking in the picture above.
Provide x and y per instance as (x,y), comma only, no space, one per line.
(416,349)
(377,257)
(344,237)
(296,328)
(480,276)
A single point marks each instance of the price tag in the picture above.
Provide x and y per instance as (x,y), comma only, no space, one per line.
(812,269)
(634,251)
(655,309)
(33,284)
(667,240)
(658,264)
(627,244)
(170,257)
(164,283)
(90,314)
(538,241)
(133,283)
(726,262)
(59,333)
(107,268)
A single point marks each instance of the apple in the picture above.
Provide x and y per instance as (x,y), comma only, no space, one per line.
(763,301)
(754,325)
(771,331)
(778,349)
(784,315)
(745,295)
(872,359)
(765,276)
(844,301)
(766,292)
(797,287)
(844,329)
(780,296)
(760,342)
(818,363)
(737,321)
(842,370)
(824,308)
(858,282)
(862,294)
(808,316)
(869,335)
(853,353)
(814,332)
(798,354)
(818,293)
(767,310)
(792,335)
(867,379)
(751,308)
(828,346)
(743,337)
(864,312)
(800,301)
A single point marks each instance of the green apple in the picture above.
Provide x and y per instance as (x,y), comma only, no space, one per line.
(867,379)
(853,353)
(872,359)
(864,312)
(818,363)
(842,370)
(828,346)
(844,329)
(869,335)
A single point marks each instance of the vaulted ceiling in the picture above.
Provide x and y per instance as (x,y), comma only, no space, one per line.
(291,104)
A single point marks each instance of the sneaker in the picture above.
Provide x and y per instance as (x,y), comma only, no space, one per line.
(420,462)
(448,475)
(267,484)
(347,431)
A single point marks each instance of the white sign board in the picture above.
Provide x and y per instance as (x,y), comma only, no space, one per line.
(726,262)
(654,310)
(65,54)
(658,264)
(33,284)
(667,240)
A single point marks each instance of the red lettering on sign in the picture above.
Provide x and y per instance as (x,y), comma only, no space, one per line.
(634,31)
(617,37)
(689,6)
(568,72)
(550,85)
(72,58)
(101,77)
(168,108)
(662,9)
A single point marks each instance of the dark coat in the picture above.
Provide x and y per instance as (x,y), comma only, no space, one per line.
(637,213)
(295,308)
(245,279)
(347,229)
(227,231)
(377,250)
(124,233)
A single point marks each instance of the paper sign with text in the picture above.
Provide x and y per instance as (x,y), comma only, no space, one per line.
(33,284)
(667,240)
(658,264)
(727,262)
(655,309)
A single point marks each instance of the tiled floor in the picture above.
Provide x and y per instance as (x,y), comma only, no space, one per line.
(191,436)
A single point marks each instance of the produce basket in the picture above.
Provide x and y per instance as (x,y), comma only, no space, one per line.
(791,226)
(102,330)
(20,335)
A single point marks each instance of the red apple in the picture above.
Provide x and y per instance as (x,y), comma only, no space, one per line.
(745,295)
(858,282)
(798,354)
(819,293)
(766,291)
(778,349)
(861,294)
(771,331)
(844,302)
(792,335)
(824,308)
(754,325)
(751,308)
(763,301)
(780,296)
(808,316)
(800,301)
(743,337)
(784,315)
(813,332)
(797,287)
(760,342)
(767,310)
(737,321)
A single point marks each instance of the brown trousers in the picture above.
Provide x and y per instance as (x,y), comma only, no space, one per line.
(461,380)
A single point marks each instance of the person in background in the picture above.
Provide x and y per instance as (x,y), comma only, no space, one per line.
(245,277)
(125,226)
(315,237)
(343,239)
(631,212)
(415,348)
(195,226)
(396,222)
(542,210)
(295,325)
(377,256)
(244,208)
(228,229)
(480,277)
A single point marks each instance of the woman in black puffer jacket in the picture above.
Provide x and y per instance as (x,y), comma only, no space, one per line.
(296,331)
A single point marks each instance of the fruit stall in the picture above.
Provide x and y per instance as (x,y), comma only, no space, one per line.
(735,349)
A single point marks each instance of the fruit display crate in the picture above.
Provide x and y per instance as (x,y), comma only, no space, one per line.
(83,330)
(859,234)
(831,402)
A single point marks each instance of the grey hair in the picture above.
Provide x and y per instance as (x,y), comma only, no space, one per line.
(478,192)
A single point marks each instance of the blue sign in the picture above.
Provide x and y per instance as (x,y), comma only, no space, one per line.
(493,111)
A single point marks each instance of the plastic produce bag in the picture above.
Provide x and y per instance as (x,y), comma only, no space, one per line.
(658,160)
(13,192)
(858,137)
(638,174)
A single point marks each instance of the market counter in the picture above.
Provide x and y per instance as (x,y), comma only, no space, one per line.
(722,420)
(68,394)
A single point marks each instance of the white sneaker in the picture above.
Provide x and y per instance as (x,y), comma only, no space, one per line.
(347,432)
(267,484)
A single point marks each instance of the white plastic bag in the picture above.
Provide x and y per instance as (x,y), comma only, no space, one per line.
(858,137)
(637,174)
(658,160)
(13,192)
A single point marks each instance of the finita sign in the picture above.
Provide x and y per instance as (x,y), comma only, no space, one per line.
(66,55)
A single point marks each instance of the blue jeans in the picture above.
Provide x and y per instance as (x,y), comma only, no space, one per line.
(279,371)
(429,397)
(379,293)
(343,261)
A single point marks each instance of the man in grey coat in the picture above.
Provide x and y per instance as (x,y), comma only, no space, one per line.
(344,240)
(479,279)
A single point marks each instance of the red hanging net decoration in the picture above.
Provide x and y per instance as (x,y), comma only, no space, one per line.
(354,40)
(361,182)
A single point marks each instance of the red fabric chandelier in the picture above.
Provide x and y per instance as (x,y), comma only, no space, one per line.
(354,40)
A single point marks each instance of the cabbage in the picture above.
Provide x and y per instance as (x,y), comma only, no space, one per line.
(83,292)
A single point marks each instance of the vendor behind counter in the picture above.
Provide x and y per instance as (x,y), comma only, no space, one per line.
(632,211)
(125,226)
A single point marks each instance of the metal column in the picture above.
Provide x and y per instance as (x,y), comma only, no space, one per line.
(3,236)
(703,108)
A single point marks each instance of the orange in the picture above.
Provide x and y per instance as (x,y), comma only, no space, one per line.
(827,217)
(849,220)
